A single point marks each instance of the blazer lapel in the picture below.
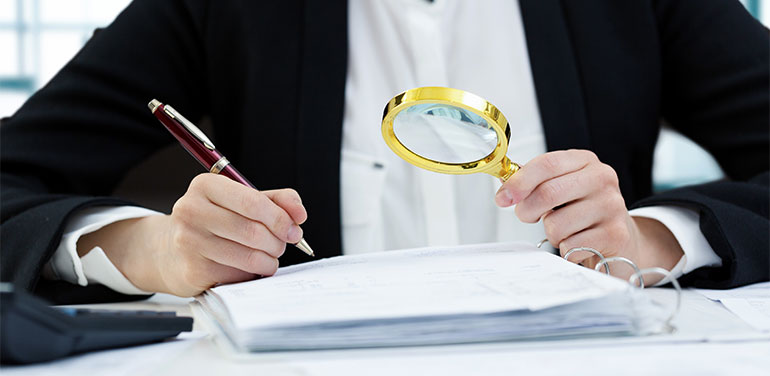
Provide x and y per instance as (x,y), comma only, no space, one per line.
(555,73)
(321,101)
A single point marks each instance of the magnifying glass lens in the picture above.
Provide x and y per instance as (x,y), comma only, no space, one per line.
(448,130)
(444,133)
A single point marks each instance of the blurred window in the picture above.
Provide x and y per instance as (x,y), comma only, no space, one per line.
(37,37)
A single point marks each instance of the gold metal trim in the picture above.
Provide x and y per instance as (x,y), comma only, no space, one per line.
(496,163)
(219,166)
(153,105)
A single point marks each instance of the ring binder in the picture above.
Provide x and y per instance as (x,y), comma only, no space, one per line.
(496,292)
(636,279)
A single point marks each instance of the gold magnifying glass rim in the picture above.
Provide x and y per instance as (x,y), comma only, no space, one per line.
(495,163)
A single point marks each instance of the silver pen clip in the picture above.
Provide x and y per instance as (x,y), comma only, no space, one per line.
(195,131)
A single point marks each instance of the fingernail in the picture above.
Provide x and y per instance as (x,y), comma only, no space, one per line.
(295,234)
(503,198)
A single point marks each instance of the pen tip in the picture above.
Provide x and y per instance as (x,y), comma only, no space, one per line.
(304,247)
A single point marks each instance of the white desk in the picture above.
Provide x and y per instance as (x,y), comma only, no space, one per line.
(710,341)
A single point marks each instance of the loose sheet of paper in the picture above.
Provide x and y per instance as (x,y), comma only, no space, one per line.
(755,312)
(424,282)
(750,303)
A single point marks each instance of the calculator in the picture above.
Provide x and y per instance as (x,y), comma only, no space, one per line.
(32,331)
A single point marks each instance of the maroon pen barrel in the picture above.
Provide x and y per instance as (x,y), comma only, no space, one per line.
(232,173)
(205,156)
(208,157)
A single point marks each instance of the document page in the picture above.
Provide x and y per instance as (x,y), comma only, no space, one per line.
(751,303)
(413,283)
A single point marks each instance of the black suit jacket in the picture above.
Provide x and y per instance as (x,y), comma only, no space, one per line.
(271,76)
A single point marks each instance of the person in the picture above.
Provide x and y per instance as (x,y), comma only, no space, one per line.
(295,89)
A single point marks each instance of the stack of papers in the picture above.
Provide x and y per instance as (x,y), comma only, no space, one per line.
(479,293)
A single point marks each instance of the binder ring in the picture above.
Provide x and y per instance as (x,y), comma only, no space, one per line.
(608,260)
(592,250)
(597,253)
(666,277)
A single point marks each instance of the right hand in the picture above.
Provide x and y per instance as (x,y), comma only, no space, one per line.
(219,231)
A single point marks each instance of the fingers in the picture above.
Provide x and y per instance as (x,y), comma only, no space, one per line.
(592,238)
(579,201)
(236,228)
(612,237)
(553,193)
(234,255)
(226,274)
(221,231)
(539,170)
(594,180)
(254,205)
(571,219)
(289,200)
(199,260)
(203,274)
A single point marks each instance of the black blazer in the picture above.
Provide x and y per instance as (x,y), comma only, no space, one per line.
(271,76)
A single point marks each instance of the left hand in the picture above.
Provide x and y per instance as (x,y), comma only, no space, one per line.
(579,201)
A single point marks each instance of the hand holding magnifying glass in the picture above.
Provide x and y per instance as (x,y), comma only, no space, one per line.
(575,195)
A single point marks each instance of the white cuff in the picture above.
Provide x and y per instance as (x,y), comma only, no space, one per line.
(97,268)
(684,224)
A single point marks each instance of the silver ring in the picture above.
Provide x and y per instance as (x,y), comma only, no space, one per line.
(666,275)
(219,166)
(540,243)
(606,262)
(589,249)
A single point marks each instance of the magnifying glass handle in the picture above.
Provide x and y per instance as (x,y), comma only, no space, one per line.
(507,169)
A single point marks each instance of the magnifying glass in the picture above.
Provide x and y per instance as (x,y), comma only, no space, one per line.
(448,130)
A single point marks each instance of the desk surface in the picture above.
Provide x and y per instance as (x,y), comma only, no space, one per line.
(709,340)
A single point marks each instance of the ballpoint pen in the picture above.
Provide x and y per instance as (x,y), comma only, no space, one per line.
(202,149)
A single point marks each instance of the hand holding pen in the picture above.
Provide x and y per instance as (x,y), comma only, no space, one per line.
(220,231)
(203,150)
